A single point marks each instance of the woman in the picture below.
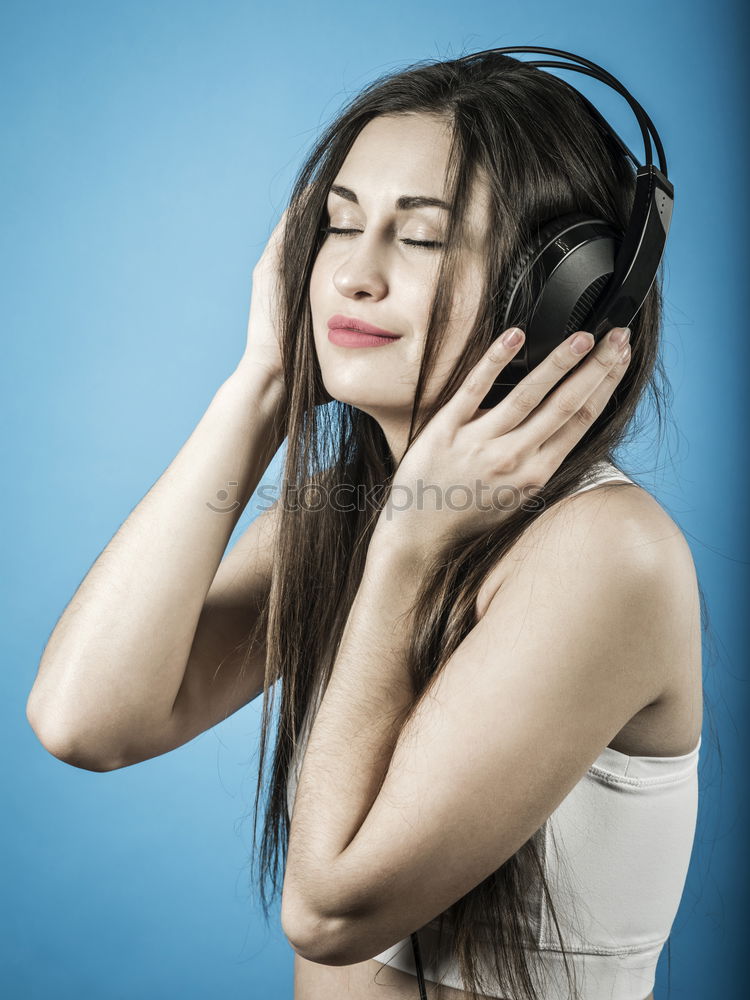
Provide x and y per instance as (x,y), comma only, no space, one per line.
(488,637)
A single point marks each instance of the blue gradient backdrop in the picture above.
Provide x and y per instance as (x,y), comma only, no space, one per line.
(148,148)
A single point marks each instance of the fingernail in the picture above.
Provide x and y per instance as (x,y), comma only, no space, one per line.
(581,343)
(621,337)
(512,337)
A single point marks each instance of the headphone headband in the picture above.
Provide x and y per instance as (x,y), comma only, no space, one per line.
(598,73)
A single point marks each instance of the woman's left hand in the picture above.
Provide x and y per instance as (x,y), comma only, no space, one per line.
(470,469)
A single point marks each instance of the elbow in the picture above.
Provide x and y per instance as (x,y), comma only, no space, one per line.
(325,940)
(319,941)
(329,944)
(312,936)
(296,923)
(58,741)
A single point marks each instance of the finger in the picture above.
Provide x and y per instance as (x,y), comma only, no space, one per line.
(522,404)
(462,406)
(561,443)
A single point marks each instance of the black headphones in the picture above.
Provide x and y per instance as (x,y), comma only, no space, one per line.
(586,274)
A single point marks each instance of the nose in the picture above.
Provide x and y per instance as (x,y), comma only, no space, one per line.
(361,273)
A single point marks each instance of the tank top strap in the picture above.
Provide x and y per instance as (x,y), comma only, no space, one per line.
(603,472)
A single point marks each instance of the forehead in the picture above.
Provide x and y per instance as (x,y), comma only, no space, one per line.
(404,154)
(407,155)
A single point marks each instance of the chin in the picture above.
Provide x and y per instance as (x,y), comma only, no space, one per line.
(376,406)
(368,399)
(365,388)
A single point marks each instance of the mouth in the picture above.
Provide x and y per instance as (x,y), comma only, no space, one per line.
(343,337)
(351,325)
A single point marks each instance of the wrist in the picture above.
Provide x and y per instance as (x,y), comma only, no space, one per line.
(264,395)
(391,584)
(254,372)
(393,552)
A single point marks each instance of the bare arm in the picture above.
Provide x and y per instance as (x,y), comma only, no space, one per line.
(147,628)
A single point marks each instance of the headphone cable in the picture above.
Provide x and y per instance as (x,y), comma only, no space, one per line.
(418,963)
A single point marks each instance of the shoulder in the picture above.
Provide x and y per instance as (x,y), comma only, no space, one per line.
(606,573)
(615,530)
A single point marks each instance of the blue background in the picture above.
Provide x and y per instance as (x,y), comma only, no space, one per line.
(148,151)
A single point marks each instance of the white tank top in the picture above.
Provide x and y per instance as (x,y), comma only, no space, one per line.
(617,851)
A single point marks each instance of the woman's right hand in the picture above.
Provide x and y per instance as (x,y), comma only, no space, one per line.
(263,349)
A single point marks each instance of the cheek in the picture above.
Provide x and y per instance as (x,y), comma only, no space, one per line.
(322,288)
(315,279)
(466,302)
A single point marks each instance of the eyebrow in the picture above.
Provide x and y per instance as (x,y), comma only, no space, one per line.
(403,204)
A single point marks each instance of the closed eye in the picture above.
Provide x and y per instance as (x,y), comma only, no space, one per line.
(425,244)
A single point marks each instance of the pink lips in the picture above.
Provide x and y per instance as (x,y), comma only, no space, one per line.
(345,331)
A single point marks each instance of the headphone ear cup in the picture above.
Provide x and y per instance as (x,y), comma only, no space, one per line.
(511,308)
(570,261)
(571,275)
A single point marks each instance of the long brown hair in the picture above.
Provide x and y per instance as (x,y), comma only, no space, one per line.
(543,156)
